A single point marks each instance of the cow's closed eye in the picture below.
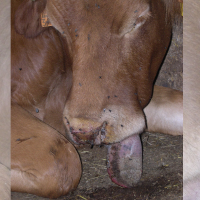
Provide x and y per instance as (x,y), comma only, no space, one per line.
(139,18)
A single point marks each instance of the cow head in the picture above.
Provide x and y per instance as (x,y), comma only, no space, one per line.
(116,48)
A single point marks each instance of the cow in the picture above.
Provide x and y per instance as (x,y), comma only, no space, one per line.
(90,77)
(43,161)
(191,73)
(5,100)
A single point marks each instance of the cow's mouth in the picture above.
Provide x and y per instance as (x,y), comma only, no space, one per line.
(81,136)
(124,159)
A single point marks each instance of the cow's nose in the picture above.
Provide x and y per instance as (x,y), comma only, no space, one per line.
(85,131)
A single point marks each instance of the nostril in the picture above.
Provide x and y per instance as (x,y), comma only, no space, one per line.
(93,135)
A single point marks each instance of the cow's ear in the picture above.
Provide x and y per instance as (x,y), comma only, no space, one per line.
(28,17)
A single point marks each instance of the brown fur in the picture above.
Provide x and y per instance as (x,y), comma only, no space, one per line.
(115,49)
(173,11)
(43,163)
(46,164)
(29,12)
(28,22)
(126,64)
(40,74)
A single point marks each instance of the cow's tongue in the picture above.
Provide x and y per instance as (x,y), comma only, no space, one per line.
(124,161)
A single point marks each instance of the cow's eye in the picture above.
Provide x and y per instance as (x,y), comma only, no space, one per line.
(137,21)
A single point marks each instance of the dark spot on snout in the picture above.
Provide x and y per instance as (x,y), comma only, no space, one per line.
(76,35)
(108,97)
(135,11)
(122,125)
(98,6)
(140,101)
(71,129)
(20,69)
(80,84)
(68,24)
(63,32)
(100,77)
(140,68)
(37,110)
(18,139)
(115,95)
(76,30)
(88,37)
(80,129)
(110,110)
(104,110)
(135,93)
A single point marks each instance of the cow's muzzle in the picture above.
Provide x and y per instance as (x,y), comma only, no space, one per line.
(80,136)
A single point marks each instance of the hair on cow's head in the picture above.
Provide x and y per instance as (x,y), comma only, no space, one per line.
(28,17)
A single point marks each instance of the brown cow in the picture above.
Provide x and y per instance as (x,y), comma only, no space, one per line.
(112,52)
(44,162)
(191,131)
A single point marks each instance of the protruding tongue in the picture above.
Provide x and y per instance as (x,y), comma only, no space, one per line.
(124,161)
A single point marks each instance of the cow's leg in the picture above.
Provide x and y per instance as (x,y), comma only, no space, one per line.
(124,161)
(43,162)
(164,113)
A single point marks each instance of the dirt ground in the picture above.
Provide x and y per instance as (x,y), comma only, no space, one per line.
(161,178)
(162,154)
(171,73)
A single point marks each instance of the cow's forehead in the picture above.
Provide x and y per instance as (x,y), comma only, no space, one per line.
(100,14)
(106,9)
